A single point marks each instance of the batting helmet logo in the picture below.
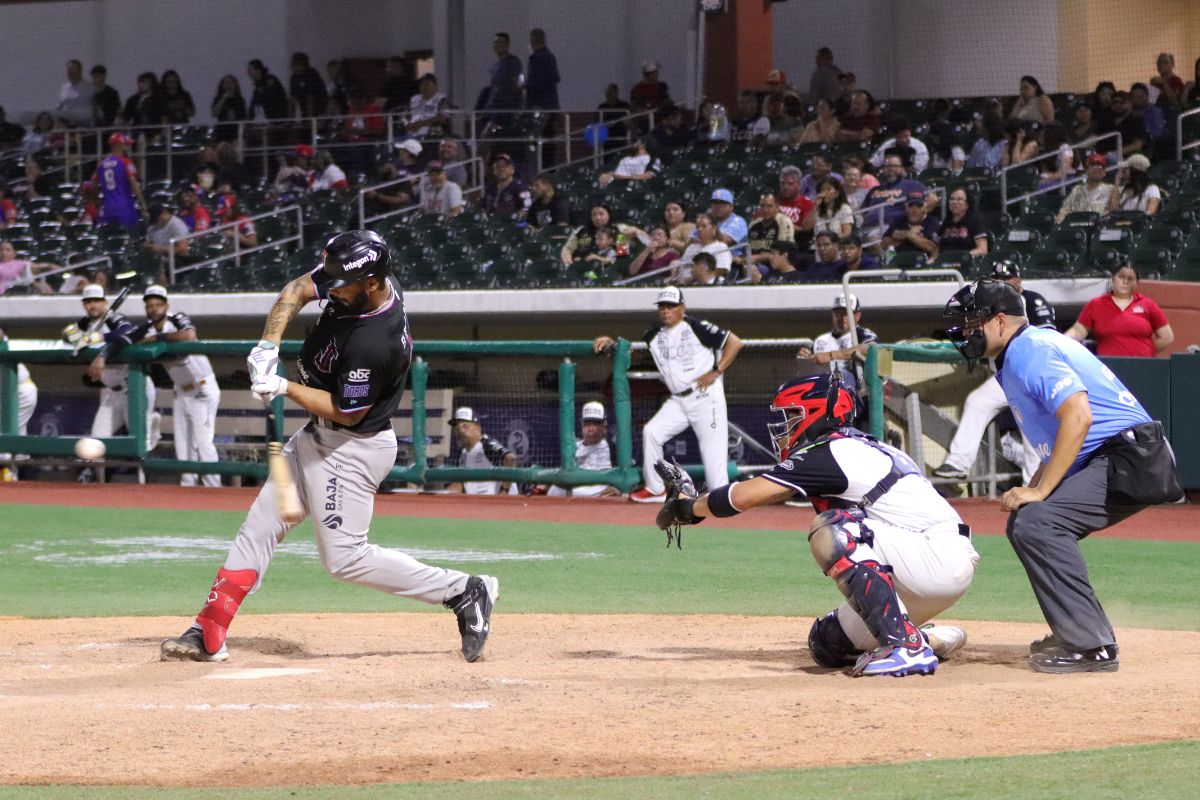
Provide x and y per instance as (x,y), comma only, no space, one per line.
(333,521)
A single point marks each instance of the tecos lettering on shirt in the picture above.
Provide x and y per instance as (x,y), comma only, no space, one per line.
(685,352)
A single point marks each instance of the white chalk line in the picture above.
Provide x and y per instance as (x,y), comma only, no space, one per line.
(257,673)
(382,705)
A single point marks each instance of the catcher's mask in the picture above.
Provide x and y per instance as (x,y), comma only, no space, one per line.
(807,408)
(974,305)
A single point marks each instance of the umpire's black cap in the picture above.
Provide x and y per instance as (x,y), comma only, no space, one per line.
(354,256)
(985,298)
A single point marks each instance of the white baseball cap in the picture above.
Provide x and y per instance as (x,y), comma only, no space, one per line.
(844,300)
(93,291)
(155,290)
(649,66)
(411,145)
(592,411)
(463,414)
(670,294)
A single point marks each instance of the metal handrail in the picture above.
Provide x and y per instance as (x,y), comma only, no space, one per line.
(1179,145)
(238,250)
(74,266)
(860,215)
(892,273)
(1062,184)
(474,169)
(669,267)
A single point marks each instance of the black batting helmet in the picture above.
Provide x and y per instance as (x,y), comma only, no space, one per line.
(354,256)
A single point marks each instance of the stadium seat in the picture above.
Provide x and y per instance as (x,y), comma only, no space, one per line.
(1052,262)
(1152,261)
(908,260)
(1120,239)
(1023,240)
(1101,261)
(961,260)
(1165,236)
(1071,239)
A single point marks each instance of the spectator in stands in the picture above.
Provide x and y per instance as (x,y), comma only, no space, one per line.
(962,229)
(20,271)
(848,83)
(823,129)
(732,228)
(428,109)
(407,153)
(1169,85)
(832,211)
(823,83)
(194,215)
(505,87)
(337,88)
(822,168)
(11,133)
(549,207)
(990,148)
(1021,142)
(706,241)
(121,189)
(712,123)
(1133,190)
(1192,99)
(945,153)
(1151,115)
(852,179)
(611,110)
(229,169)
(1134,137)
(244,229)
(583,239)
(106,103)
(327,176)
(44,133)
(895,186)
(917,233)
(656,255)
(452,154)
(478,450)
(439,195)
(165,226)
(679,229)
(145,107)
(640,166)
(649,93)
(791,199)
(912,150)
(669,134)
(863,121)
(1082,127)
(770,225)
(177,101)
(541,81)
(783,113)
(778,266)
(853,256)
(1124,322)
(604,249)
(1102,110)
(388,198)
(828,266)
(309,97)
(748,126)
(8,209)
(364,120)
(1053,171)
(269,95)
(1032,104)
(37,182)
(75,96)
(505,196)
(293,176)
(1093,195)
(704,271)
(228,106)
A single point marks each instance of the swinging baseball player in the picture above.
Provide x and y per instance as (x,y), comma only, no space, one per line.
(692,356)
(896,549)
(196,393)
(352,368)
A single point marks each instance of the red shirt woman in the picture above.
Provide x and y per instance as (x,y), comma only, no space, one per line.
(1124,322)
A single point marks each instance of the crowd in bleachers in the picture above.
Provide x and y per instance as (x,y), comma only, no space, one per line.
(788,186)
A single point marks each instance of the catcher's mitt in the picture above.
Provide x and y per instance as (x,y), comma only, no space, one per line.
(676,510)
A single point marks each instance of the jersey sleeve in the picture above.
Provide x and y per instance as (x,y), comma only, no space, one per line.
(494,451)
(810,473)
(866,335)
(182,322)
(363,375)
(1155,314)
(709,335)
(1087,317)
(1049,379)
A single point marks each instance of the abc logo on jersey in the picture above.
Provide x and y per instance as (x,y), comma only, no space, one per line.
(358,375)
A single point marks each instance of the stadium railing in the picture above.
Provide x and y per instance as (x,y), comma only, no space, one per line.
(1180,146)
(174,268)
(1059,186)
(474,167)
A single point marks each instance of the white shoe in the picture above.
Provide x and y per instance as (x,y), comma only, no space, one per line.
(944,639)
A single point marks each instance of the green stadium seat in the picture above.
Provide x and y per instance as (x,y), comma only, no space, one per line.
(961,260)
(1023,240)
(983,266)
(1052,262)
(1182,218)
(1163,235)
(1152,260)
(1101,261)
(1120,239)
(1071,239)
(908,260)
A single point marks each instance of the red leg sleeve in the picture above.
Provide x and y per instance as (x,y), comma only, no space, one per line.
(226,595)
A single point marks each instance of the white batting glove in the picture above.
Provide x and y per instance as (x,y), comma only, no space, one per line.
(269,387)
(263,360)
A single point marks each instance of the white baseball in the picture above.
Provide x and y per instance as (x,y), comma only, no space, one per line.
(89,449)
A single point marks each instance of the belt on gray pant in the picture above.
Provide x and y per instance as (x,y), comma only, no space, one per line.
(313,419)
(684,393)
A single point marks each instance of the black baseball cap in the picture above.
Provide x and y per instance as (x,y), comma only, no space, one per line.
(984,298)
(1006,268)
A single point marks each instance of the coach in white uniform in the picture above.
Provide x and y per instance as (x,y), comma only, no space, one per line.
(692,356)
(196,394)
(478,450)
(591,452)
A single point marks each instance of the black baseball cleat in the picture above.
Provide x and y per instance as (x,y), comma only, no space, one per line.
(474,611)
(190,647)
(1065,659)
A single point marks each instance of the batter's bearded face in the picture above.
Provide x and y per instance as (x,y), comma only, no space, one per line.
(352,297)
(156,309)
(95,308)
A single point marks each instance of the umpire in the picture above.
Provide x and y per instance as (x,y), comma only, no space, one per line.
(1102,460)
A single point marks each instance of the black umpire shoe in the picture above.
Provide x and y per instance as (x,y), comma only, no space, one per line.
(1051,642)
(1065,659)
(474,611)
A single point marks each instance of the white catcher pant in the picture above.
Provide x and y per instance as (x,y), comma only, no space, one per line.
(195,415)
(336,474)
(931,570)
(705,412)
(113,413)
(982,406)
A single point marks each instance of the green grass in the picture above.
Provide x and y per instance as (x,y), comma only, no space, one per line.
(598,569)
(1150,772)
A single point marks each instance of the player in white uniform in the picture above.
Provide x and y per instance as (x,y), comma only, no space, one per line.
(692,356)
(896,549)
(834,346)
(478,450)
(196,393)
(27,398)
(591,452)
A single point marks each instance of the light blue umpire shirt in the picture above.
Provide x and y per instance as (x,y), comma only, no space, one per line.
(1040,368)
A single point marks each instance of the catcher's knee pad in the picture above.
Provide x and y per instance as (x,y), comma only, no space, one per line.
(224,599)
(833,536)
(828,644)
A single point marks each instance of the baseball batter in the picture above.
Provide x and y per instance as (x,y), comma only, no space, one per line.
(896,549)
(591,452)
(352,367)
(196,395)
(692,356)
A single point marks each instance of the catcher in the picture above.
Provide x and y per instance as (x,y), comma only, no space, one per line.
(896,549)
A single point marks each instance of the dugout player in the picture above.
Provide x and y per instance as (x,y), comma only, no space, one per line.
(834,346)
(27,398)
(896,549)
(196,394)
(1103,460)
(591,452)
(692,356)
(478,450)
(352,368)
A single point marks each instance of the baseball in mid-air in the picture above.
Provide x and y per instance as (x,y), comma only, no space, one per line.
(89,449)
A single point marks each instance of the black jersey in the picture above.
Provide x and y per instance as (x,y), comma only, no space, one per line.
(360,359)
(1039,312)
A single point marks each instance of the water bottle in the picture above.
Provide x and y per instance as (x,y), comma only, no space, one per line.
(622,245)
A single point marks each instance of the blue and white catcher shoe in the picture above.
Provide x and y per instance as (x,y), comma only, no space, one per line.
(896,662)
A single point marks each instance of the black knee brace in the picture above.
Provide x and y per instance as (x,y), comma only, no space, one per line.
(828,644)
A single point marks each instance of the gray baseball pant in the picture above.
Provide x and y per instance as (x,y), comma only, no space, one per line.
(1046,538)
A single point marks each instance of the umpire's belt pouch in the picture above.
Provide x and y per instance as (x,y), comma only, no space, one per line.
(1141,467)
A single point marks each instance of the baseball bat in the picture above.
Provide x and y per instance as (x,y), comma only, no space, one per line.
(95,324)
(287,498)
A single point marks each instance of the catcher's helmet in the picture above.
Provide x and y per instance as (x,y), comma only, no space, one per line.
(354,256)
(809,407)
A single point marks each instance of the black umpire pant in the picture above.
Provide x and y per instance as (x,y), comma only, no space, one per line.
(1046,538)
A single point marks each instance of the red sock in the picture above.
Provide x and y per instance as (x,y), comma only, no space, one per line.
(227,593)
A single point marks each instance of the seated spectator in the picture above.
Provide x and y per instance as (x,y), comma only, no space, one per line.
(1171,90)
(895,186)
(748,126)
(669,134)
(37,183)
(990,147)
(1082,126)
(8,209)
(869,181)
(679,228)
(785,114)
(1094,194)
(712,123)
(230,170)
(821,168)
(770,225)
(1134,137)
(407,152)
(704,271)
(1134,191)
(732,228)
(863,121)
(583,239)
(1032,104)
(918,233)
(228,106)
(309,97)
(244,229)
(847,86)
(364,122)
(1021,142)
(389,198)
(604,248)
(146,106)
(591,452)
(428,110)
(828,266)
(505,196)
(1053,171)
(903,144)
(328,176)
(649,92)
(1124,322)
(106,103)
(706,241)
(452,154)
(855,192)
(477,449)
(656,255)
(549,207)
(792,201)
(832,211)
(194,215)
(853,256)
(824,129)
(440,195)
(165,226)
(780,267)
(1151,115)
(945,153)
(11,133)
(640,166)
(44,134)
(177,102)
(962,229)
(293,176)
(21,272)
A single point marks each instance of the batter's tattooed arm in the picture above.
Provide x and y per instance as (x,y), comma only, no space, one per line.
(291,299)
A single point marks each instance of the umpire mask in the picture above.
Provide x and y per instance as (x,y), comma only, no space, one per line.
(974,305)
